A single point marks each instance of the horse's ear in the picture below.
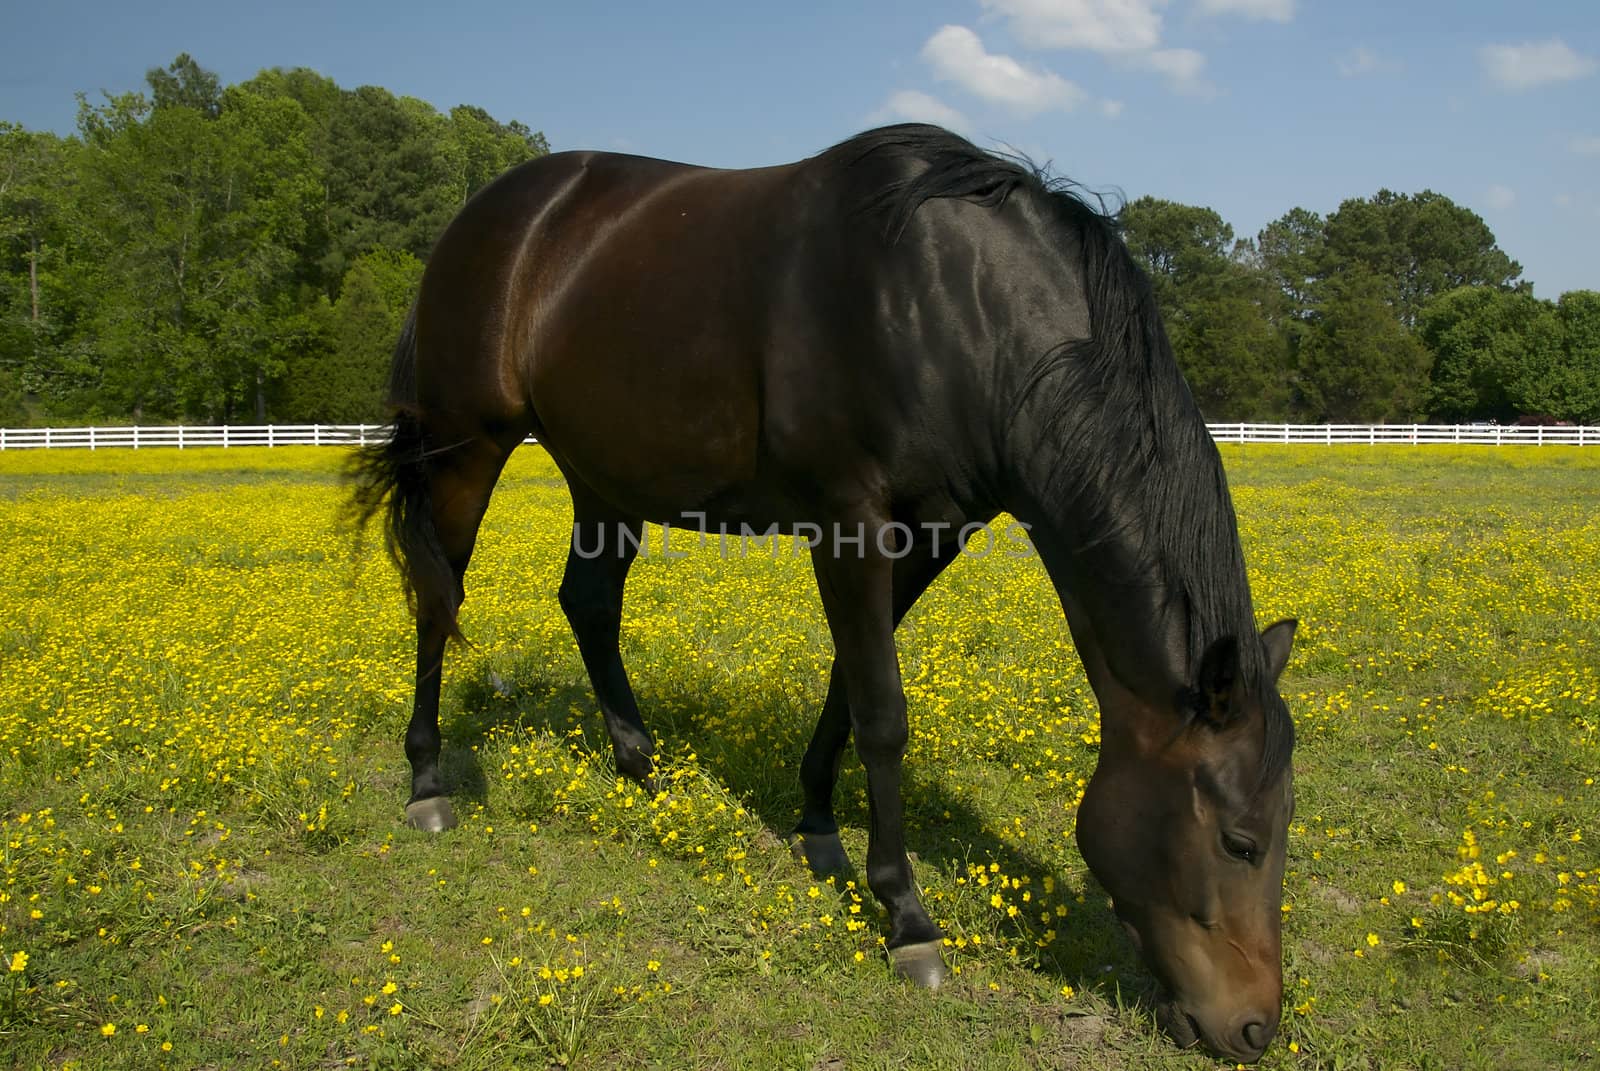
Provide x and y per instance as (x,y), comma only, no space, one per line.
(1217,683)
(1277,639)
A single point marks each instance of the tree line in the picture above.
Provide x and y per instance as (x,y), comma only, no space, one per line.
(237,254)
(1395,307)
(247,253)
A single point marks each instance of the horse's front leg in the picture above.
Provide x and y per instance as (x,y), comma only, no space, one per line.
(857,594)
(816,837)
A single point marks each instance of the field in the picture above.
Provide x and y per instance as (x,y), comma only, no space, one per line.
(203,692)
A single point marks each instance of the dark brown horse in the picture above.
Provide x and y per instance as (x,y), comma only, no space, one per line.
(889,340)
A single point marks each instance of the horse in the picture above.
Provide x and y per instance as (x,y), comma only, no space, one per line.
(895,338)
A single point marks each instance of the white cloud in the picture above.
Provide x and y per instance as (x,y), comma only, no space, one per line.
(1585,144)
(1357,61)
(1500,197)
(1181,67)
(911,106)
(1127,32)
(1270,10)
(1108,26)
(1533,64)
(1111,109)
(957,55)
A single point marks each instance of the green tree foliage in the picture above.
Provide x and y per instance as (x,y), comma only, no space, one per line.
(1570,389)
(195,250)
(1235,357)
(37,180)
(1290,253)
(198,222)
(1419,246)
(342,380)
(1219,309)
(394,170)
(1488,347)
(185,84)
(1357,362)
(1499,354)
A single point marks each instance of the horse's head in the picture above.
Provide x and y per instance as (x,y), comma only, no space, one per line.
(1186,830)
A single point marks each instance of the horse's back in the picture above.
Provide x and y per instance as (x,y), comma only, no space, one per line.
(684,338)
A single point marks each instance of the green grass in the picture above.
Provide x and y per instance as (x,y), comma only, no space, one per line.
(202,698)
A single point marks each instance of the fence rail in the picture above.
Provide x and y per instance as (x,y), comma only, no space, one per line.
(183,437)
(139,437)
(1412,434)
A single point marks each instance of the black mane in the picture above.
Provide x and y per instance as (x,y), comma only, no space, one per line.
(1117,401)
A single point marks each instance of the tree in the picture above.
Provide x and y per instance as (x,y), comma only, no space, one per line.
(391,182)
(1291,254)
(1357,362)
(199,223)
(36,189)
(1217,306)
(393,169)
(484,148)
(1570,388)
(1420,246)
(1234,357)
(185,84)
(1489,347)
(1178,244)
(191,252)
(342,380)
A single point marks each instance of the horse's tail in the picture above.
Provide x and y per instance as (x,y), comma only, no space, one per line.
(393,473)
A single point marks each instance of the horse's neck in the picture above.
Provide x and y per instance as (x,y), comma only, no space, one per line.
(1129,625)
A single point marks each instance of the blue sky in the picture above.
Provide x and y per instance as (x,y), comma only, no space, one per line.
(1251,107)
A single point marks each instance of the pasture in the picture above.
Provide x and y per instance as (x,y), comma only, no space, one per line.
(203,694)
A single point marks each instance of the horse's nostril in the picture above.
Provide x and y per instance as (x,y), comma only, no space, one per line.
(1256,1035)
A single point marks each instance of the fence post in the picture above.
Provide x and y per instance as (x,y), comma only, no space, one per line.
(270,443)
(224,436)
(1538,436)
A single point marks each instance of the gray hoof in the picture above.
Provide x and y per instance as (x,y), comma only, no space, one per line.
(823,853)
(432,815)
(922,963)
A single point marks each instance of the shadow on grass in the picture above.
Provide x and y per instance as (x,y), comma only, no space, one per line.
(943,830)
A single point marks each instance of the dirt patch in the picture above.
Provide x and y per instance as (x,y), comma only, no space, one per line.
(1337,898)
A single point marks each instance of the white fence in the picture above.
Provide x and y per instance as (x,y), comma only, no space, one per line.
(182,437)
(1411,434)
(354,434)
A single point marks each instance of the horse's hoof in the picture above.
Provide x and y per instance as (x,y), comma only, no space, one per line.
(432,815)
(823,853)
(922,963)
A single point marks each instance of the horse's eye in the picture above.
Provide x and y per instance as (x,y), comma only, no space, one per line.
(1241,848)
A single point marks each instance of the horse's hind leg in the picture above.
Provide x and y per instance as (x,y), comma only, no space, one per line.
(604,544)
(456,483)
